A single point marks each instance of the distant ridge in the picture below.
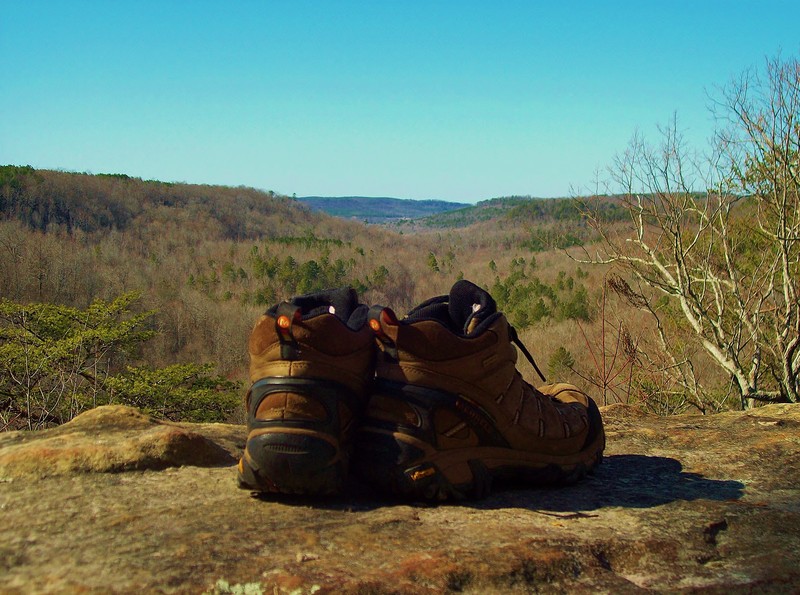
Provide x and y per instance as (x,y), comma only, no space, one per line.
(378,209)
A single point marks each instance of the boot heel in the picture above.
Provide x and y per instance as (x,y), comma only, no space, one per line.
(292,463)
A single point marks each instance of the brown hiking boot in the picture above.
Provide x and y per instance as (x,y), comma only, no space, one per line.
(449,411)
(311,365)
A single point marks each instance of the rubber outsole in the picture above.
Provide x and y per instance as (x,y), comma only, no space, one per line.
(398,463)
(292,463)
(297,455)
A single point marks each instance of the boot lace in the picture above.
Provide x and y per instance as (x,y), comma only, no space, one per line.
(512,333)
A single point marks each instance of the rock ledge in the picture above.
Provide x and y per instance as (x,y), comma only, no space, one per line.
(117,501)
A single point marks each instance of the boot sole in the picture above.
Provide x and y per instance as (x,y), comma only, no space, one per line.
(292,461)
(297,456)
(398,463)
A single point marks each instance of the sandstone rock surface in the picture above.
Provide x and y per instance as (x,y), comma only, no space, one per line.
(107,439)
(118,502)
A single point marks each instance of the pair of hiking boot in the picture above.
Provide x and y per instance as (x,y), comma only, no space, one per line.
(429,407)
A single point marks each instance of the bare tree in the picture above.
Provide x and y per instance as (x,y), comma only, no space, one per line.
(719,237)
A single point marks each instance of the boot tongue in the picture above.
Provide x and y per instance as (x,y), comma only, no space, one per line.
(468,305)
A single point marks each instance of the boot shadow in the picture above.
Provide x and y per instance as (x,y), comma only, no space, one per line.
(628,481)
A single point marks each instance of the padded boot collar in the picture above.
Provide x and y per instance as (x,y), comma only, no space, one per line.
(469,305)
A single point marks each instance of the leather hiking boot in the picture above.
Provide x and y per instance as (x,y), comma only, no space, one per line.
(311,365)
(449,412)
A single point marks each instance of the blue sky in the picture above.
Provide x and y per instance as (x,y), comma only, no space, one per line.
(457,100)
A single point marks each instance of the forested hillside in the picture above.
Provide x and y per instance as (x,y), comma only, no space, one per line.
(186,269)
(57,200)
